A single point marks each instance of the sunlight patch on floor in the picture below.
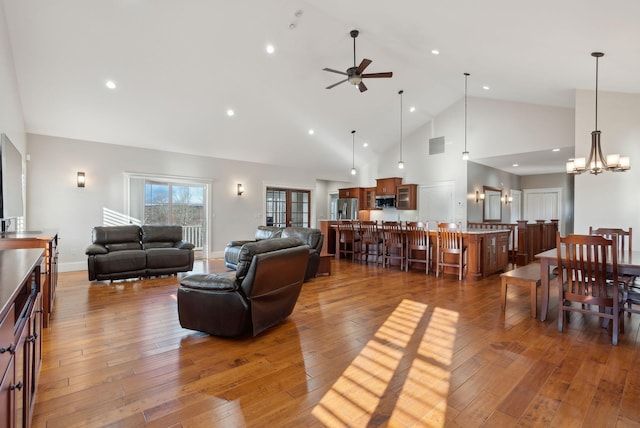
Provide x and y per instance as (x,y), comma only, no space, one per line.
(377,383)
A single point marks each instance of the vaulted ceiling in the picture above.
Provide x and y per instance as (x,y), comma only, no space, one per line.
(180,65)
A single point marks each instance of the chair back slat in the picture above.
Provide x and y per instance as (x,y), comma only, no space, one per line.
(624,239)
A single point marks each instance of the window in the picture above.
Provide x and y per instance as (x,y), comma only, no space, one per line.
(172,200)
(288,207)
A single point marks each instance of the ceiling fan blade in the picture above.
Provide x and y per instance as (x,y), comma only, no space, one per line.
(335,71)
(364,64)
(387,74)
(362,87)
(336,84)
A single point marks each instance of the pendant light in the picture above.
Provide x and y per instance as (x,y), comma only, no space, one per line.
(465,154)
(353,148)
(401,163)
(597,163)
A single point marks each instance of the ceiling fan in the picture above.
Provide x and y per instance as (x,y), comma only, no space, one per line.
(354,74)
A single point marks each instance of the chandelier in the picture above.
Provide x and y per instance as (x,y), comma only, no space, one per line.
(597,163)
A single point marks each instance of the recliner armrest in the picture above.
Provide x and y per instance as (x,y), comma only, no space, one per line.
(184,245)
(211,281)
(94,249)
(239,243)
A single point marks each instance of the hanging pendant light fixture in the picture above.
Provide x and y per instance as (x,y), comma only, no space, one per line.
(597,163)
(465,154)
(401,163)
(353,148)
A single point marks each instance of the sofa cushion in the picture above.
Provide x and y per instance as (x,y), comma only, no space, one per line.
(267,232)
(210,281)
(117,238)
(167,258)
(156,235)
(121,261)
(252,248)
(309,236)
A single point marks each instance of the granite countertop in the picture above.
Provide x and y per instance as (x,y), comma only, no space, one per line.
(29,234)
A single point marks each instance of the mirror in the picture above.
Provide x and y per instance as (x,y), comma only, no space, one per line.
(492,204)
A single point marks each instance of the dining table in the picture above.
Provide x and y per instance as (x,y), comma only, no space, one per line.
(628,264)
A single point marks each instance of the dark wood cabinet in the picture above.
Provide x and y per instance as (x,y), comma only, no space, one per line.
(353,192)
(406,197)
(387,186)
(369,198)
(49,241)
(21,312)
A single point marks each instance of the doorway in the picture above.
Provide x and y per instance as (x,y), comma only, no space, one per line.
(288,207)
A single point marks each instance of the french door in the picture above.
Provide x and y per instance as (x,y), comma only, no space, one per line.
(288,207)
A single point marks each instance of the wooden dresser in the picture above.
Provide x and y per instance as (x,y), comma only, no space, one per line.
(47,240)
(20,334)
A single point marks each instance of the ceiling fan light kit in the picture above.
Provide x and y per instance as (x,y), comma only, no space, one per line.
(597,163)
(355,74)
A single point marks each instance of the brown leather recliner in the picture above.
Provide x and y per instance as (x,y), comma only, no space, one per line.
(261,293)
(309,236)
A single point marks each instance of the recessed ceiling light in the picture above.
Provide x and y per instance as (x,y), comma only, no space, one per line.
(515,164)
(365,144)
(230,112)
(486,88)
(311,132)
(555,150)
(270,49)
(412,109)
(435,52)
(110,84)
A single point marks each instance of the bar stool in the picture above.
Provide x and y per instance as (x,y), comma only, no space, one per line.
(417,245)
(348,238)
(392,243)
(370,237)
(450,244)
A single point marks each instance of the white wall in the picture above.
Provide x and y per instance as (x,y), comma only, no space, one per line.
(609,199)
(493,128)
(11,120)
(54,201)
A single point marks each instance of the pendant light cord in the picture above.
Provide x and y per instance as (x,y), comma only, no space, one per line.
(353,149)
(597,92)
(466,75)
(400,93)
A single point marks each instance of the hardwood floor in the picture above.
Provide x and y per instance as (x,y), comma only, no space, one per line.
(364,347)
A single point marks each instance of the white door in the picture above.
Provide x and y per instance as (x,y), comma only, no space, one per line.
(516,206)
(436,203)
(543,204)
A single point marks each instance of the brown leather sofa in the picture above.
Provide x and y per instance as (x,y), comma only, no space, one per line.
(132,251)
(261,293)
(313,238)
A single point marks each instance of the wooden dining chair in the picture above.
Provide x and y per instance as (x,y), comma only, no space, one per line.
(392,243)
(418,245)
(450,245)
(348,238)
(370,241)
(624,240)
(584,258)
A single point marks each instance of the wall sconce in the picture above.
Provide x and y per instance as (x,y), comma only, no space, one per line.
(479,196)
(80,179)
(507,199)
(240,189)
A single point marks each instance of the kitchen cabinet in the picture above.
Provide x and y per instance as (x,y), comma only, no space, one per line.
(406,197)
(369,198)
(48,240)
(387,186)
(21,315)
(496,252)
(353,192)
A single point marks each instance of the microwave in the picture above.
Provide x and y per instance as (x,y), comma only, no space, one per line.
(385,201)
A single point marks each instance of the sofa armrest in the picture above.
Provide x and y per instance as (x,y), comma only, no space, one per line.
(183,245)
(210,281)
(94,249)
(239,243)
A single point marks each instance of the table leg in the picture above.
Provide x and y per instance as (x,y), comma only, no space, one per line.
(337,252)
(544,284)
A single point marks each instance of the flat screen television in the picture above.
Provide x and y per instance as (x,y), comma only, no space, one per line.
(11,182)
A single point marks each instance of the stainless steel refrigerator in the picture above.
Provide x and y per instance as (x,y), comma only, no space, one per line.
(347,209)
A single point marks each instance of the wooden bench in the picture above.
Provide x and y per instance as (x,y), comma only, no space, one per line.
(525,276)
